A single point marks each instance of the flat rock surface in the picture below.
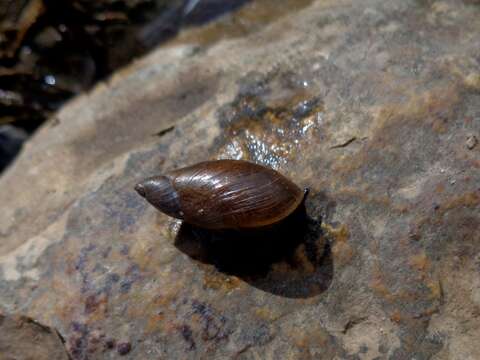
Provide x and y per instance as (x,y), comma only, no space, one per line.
(374,105)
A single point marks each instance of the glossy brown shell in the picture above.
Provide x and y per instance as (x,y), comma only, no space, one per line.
(223,194)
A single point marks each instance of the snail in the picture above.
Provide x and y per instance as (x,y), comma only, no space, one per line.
(224,194)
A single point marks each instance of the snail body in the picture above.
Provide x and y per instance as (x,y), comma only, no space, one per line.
(223,194)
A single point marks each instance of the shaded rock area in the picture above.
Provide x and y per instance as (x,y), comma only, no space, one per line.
(22,338)
(372,104)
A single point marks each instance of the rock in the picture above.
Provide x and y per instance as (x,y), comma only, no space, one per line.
(25,339)
(472,141)
(367,104)
(124,348)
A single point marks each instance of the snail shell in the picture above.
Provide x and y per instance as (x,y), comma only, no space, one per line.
(223,194)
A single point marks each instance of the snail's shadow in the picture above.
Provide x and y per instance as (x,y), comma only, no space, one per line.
(291,259)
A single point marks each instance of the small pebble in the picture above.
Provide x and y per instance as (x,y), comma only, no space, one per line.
(472,141)
(414,236)
(124,348)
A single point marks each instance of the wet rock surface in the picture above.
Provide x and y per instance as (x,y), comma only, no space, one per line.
(369,104)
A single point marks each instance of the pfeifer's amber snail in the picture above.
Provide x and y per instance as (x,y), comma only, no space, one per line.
(223,194)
